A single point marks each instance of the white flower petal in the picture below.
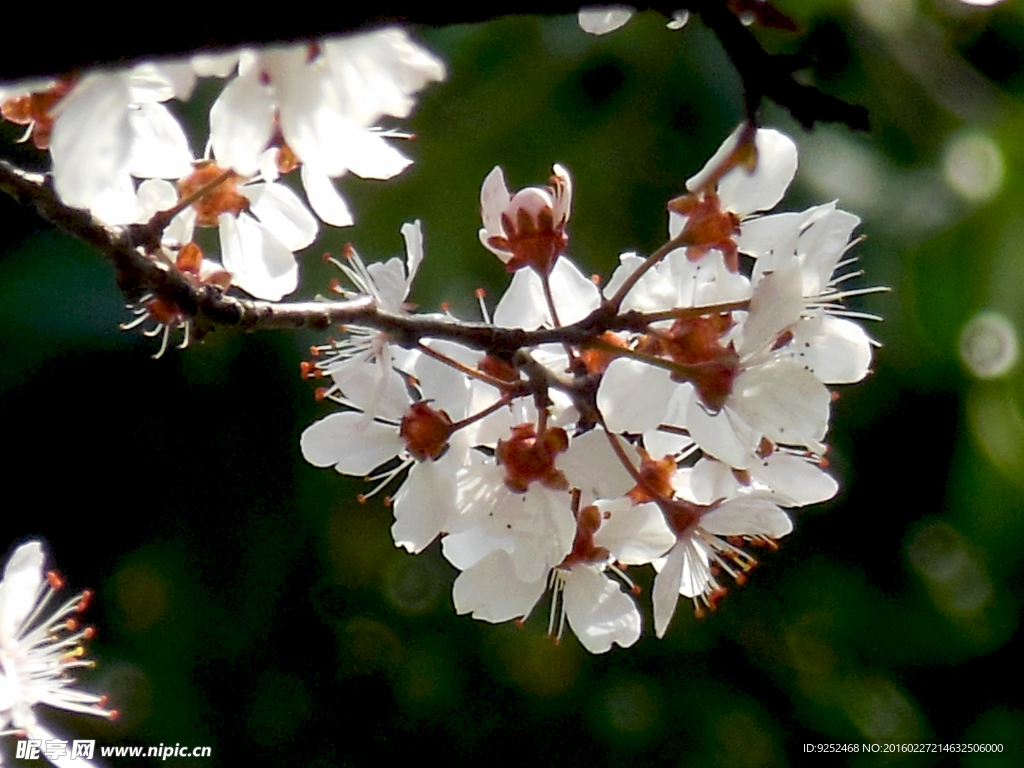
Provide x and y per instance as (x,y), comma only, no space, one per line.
(91,144)
(447,388)
(376,73)
(543,527)
(375,389)
(747,516)
(665,594)
(467,548)
(23,575)
(767,235)
(600,20)
(283,214)
(633,395)
(351,443)
(324,198)
(591,465)
(182,226)
(494,198)
(711,480)
(635,535)
(785,402)
(155,195)
(389,280)
(424,504)
(598,611)
(745,193)
(491,592)
(159,146)
(722,435)
(260,263)
(658,443)
(371,157)
(795,481)
(776,304)
(839,354)
(242,123)
(215,64)
(310,113)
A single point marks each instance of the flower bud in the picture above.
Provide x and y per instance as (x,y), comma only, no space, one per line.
(526,229)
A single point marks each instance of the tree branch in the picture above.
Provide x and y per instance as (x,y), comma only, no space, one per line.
(767,75)
(208,307)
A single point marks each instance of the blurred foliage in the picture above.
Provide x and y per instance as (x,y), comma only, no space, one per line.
(247,602)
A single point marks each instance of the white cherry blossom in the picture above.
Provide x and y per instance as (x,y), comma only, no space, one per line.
(40,646)
(702,547)
(748,174)
(323,97)
(526,229)
(112,127)
(261,226)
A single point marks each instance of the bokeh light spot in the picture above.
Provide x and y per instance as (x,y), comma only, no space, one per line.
(955,580)
(412,585)
(631,705)
(988,345)
(973,166)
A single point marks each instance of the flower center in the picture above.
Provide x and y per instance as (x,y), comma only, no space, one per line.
(657,479)
(531,232)
(529,457)
(708,227)
(222,198)
(425,431)
(696,342)
(682,515)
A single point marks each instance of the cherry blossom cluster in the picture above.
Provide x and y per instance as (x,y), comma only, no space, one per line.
(41,645)
(673,418)
(119,151)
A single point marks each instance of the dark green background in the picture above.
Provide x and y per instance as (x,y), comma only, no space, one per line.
(247,602)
